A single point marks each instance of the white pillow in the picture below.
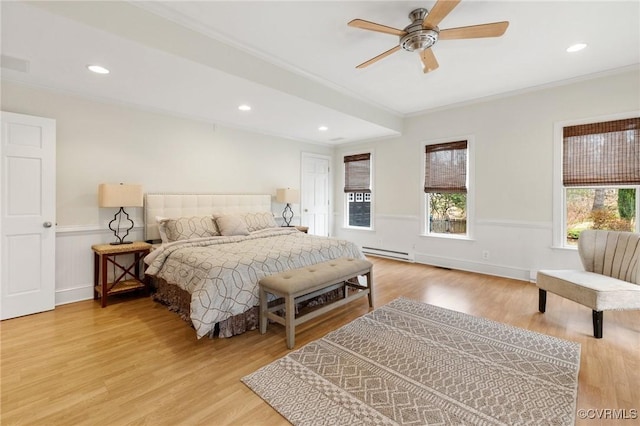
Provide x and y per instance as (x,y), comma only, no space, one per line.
(231,225)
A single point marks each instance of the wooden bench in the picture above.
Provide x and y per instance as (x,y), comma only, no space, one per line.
(298,285)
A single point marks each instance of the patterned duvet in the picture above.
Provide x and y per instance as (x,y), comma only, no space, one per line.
(222,273)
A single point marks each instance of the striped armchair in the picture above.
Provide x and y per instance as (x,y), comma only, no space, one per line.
(610,280)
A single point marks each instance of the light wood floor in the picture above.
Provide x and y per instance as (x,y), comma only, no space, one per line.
(134,362)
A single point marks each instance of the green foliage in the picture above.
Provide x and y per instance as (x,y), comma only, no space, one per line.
(444,205)
(616,211)
(627,203)
(574,233)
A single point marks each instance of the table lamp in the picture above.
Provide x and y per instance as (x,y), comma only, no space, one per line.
(120,195)
(289,196)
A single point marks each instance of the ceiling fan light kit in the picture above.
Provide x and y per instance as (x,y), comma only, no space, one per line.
(423,33)
(417,37)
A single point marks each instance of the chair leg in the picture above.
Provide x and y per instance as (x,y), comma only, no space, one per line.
(597,324)
(542,300)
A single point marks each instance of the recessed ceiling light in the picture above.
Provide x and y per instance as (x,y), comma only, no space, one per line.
(98,69)
(244,107)
(323,128)
(576,47)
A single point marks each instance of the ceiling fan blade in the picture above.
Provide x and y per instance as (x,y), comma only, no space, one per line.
(380,56)
(495,29)
(438,12)
(428,60)
(372,26)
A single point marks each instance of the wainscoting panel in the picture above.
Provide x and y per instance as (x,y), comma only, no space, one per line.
(74,260)
(513,249)
(502,248)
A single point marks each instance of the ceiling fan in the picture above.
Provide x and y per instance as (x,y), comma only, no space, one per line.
(423,32)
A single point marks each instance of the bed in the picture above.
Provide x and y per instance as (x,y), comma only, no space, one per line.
(215,248)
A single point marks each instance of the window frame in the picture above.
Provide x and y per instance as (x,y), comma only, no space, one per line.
(559,216)
(345,195)
(470,183)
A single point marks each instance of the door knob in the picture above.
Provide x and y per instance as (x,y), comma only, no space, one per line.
(306,210)
(47,224)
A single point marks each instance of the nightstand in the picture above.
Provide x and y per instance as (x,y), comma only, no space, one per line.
(304,229)
(127,275)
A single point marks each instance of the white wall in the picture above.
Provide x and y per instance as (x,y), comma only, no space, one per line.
(513,177)
(105,142)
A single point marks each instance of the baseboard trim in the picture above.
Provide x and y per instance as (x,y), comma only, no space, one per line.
(478,267)
(72,295)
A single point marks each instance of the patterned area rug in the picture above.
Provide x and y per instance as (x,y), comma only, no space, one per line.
(410,363)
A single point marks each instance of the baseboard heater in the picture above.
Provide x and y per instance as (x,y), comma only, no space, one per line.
(392,254)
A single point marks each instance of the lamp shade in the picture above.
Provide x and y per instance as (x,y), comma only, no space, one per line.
(119,195)
(287,195)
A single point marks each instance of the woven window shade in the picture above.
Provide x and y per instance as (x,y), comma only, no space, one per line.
(599,154)
(357,173)
(446,167)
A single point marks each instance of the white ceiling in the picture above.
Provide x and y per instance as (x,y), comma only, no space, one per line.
(294,61)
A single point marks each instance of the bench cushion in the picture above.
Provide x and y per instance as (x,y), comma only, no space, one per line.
(310,278)
(598,292)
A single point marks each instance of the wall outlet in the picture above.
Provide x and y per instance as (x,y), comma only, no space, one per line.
(485,254)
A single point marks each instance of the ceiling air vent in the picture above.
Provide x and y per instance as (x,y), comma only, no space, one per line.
(15,64)
(336,139)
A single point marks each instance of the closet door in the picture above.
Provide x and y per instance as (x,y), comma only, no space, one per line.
(315,193)
(28,204)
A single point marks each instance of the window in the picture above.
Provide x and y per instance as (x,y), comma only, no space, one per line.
(600,177)
(445,187)
(357,188)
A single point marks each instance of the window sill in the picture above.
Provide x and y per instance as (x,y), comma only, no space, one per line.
(356,228)
(565,248)
(449,237)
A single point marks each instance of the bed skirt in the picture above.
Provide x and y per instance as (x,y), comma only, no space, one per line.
(179,300)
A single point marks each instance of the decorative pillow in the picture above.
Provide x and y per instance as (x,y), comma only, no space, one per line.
(185,228)
(232,225)
(258,221)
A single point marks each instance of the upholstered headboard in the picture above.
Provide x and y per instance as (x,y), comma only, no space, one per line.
(180,205)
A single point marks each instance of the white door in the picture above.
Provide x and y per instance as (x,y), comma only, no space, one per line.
(28,203)
(315,193)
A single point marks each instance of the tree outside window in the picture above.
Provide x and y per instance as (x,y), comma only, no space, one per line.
(447,213)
